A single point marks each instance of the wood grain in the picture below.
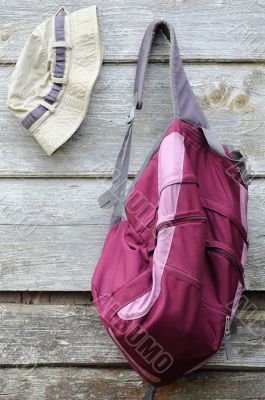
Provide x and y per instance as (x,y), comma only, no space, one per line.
(34,335)
(232,96)
(120,384)
(217,30)
(52,232)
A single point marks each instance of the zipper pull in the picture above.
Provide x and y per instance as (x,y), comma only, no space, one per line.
(227,339)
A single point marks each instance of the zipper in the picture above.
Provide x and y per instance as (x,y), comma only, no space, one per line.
(227,339)
(230,258)
(180,219)
(183,275)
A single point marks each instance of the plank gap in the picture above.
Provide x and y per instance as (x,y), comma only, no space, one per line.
(46,297)
(165,60)
(254,300)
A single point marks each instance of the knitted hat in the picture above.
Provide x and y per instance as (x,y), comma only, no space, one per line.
(50,88)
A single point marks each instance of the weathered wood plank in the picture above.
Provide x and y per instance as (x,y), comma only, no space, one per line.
(232,31)
(52,232)
(49,257)
(117,384)
(36,335)
(232,96)
(63,258)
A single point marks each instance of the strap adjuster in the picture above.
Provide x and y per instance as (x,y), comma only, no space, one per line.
(60,43)
(50,107)
(62,80)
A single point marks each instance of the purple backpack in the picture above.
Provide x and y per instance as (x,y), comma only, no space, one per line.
(170,276)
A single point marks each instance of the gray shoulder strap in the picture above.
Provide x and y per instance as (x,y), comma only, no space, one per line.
(185,107)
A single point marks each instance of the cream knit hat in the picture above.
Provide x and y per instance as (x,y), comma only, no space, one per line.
(50,88)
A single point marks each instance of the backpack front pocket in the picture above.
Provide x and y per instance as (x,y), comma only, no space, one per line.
(180,252)
(186,252)
(182,275)
(224,273)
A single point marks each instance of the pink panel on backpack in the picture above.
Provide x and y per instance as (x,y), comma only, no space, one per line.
(243,205)
(170,163)
(243,212)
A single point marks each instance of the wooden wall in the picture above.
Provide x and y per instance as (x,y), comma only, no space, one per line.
(51,229)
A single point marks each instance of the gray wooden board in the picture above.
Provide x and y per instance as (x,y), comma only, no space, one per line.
(232,96)
(36,335)
(120,384)
(216,30)
(52,232)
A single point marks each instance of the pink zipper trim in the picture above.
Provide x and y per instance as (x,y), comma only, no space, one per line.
(170,160)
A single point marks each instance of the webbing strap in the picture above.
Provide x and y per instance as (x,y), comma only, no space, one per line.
(185,107)
(59,71)
(114,197)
